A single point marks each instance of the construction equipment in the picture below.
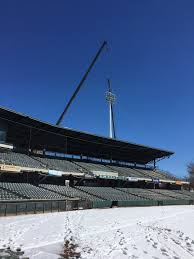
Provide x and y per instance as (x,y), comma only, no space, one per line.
(81,83)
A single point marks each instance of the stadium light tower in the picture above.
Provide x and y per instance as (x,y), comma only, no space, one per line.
(111,98)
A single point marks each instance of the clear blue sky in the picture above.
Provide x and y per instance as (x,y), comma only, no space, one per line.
(46,46)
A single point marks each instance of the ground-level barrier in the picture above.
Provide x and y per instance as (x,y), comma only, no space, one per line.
(41,206)
(13,208)
(137,203)
(140,203)
(101,204)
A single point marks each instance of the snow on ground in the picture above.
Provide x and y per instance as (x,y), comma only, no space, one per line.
(119,233)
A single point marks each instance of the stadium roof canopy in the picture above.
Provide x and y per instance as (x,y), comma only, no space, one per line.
(26,132)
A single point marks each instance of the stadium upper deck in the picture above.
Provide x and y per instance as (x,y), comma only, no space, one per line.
(31,134)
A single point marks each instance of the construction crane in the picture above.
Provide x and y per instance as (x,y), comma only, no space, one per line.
(81,83)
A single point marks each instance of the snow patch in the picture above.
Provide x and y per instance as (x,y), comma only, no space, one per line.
(135,233)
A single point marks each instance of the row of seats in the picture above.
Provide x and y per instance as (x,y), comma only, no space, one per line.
(94,167)
(18,159)
(127,172)
(71,192)
(6,195)
(109,193)
(171,194)
(151,194)
(161,194)
(157,174)
(184,193)
(59,164)
(174,194)
(28,191)
(150,173)
(166,175)
(144,173)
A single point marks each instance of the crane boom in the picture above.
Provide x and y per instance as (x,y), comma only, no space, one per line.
(81,83)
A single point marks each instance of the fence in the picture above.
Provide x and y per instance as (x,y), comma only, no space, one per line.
(41,206)
(44,206)
(132,203)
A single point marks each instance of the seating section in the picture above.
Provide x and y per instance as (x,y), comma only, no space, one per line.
(109,193)
(152,174)
(59,164)
(18,159)
(142,173)
(71,192)
(151,194)
(171,194)
(149,173)
(6,195)
(16,191)
(184,193)
(128,172)
(94,167)
(166,175)
(28,191)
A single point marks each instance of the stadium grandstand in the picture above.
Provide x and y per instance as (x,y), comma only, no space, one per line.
(44,162)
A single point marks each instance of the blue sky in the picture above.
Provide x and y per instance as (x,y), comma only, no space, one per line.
(46,46)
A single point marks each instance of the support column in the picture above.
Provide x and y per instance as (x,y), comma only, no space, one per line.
(154,163)
(29,143)
(110,121)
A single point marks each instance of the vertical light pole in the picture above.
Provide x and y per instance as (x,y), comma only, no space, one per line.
(110,97)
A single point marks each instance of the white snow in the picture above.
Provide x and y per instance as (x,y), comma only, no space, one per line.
(119,233)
